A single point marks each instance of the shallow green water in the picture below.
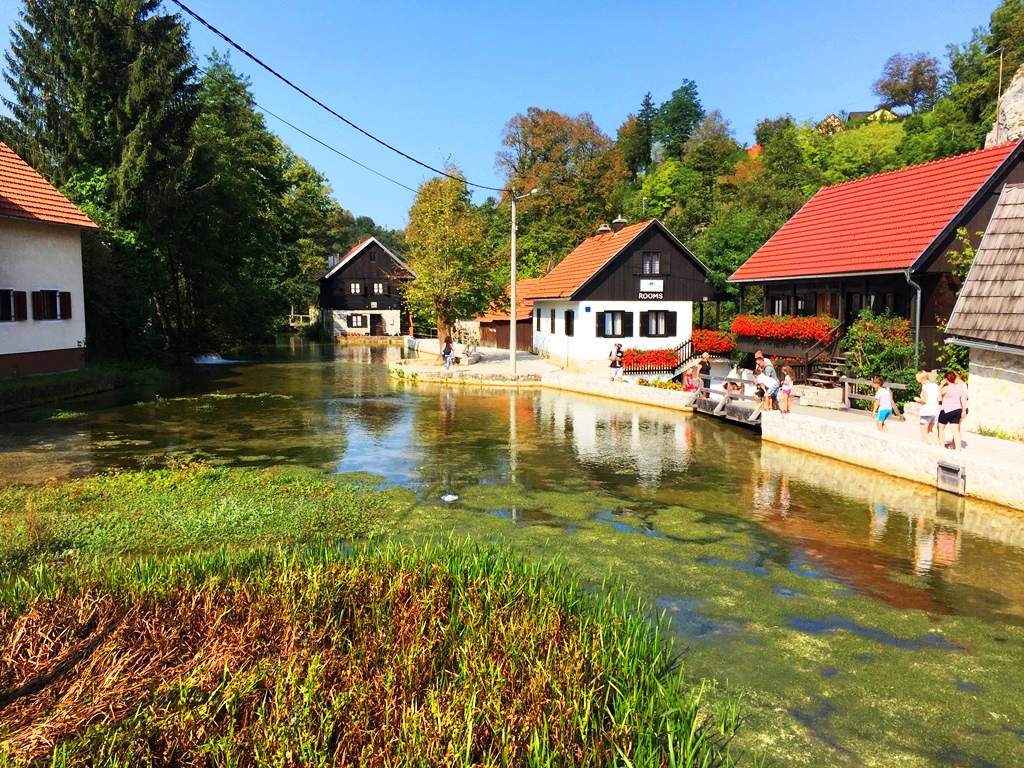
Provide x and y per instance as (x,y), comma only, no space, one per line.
(864,621)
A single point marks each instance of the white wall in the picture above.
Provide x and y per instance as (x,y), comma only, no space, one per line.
(996,392)
(585,346)
(33,257)
(339,322)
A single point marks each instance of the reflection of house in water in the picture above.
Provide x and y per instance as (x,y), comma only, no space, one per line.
(604,436)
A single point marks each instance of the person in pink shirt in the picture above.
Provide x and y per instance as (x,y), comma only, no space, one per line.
(951,409)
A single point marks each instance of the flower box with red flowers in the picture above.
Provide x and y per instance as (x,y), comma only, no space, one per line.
(781,334)
(713,342)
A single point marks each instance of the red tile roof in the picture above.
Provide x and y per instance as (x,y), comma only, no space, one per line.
(879,223)
(586,261)
(755,150)
(24,194)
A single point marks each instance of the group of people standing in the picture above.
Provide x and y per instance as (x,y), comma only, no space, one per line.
(943,408)
(771,392)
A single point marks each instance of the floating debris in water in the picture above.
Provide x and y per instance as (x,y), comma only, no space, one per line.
(449,497)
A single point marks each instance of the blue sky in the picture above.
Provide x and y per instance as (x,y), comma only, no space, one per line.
(439,80)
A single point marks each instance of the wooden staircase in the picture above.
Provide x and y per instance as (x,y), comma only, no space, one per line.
(827,374)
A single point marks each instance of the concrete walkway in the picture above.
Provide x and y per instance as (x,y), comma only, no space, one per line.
(992,469)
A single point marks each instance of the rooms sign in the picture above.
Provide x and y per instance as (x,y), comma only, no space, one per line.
(652,289)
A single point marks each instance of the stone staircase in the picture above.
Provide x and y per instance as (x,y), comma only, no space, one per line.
(828,374)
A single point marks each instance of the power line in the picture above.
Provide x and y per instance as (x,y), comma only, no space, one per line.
(319,103)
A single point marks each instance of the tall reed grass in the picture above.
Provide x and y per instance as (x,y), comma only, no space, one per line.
(440,655)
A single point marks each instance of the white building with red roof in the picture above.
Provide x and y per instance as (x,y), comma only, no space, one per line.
(883,242)
(42,307)
(634,284)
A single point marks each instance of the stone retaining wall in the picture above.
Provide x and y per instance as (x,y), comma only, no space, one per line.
(599,385)
(987,479)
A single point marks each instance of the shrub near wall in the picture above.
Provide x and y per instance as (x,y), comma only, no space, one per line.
(880,345)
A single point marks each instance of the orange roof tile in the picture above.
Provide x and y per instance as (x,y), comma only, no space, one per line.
(755,150)
(24,194)
(878,223)
(570,274)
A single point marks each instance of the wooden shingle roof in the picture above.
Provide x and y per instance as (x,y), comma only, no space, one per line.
(990,308)
(27,196)
(881,223)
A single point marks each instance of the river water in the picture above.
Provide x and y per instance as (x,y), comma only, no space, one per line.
(862,620)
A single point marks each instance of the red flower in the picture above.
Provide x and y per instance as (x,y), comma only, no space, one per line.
(713,342)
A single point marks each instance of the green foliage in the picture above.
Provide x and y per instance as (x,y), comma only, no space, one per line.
(446,237)
(908,80)
(871,149)
(881,345)
(677,118)
(188,506)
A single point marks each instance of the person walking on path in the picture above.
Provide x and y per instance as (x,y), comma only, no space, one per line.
(952,399)
(883,404)
(447,352)
(929,399)
(616,356)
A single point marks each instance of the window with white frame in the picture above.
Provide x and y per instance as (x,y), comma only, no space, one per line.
(651,263)
(355,288)
(357,321)
(378,289)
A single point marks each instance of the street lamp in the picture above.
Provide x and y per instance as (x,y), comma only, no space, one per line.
(512,285)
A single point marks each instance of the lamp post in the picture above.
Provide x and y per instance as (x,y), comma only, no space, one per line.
(512,285)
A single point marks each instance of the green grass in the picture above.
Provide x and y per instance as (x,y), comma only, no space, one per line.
(433,655)
(187,506)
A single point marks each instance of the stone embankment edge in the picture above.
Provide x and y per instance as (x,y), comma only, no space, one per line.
(599,386)
(986,479)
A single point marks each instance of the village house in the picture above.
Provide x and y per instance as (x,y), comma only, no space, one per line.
(882,242)
(988,319)
(634,284)
(361,292)
(494,325)
(42,305)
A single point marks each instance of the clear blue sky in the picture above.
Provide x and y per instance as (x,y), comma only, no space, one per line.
(440,80)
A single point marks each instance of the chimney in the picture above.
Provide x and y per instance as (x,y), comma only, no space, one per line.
(619,223)
(604,229)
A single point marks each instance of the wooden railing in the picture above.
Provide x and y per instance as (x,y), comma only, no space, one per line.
(683,353)
(725,390)
(851,393)
(827,345)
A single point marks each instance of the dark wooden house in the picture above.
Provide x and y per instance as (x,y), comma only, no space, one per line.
(361,292)
(882,242)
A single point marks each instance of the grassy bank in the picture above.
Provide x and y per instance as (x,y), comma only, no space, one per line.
(156,618)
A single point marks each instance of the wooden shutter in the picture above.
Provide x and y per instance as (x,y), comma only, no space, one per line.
(64,303)
(552,312)
(670,323)
(600,325)
(644,323)
(20,305)
(38,306)
(570,321)
(627,324)
(665,263)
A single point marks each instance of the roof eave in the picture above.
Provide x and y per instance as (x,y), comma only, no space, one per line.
(820,276)
(91,226)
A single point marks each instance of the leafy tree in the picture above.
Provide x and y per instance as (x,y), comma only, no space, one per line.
(580,172)
(677,118)
(908,80)
(446,237)
(635,137)
(872,148)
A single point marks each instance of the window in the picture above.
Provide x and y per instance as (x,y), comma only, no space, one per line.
(355,288)
(614,325)
(373,255)
(570,320)
(651,263)
(357,321)
(778,305)
(537,314)
(552,321)
(658,323)
(51,305)
(378,288)
(13,306)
